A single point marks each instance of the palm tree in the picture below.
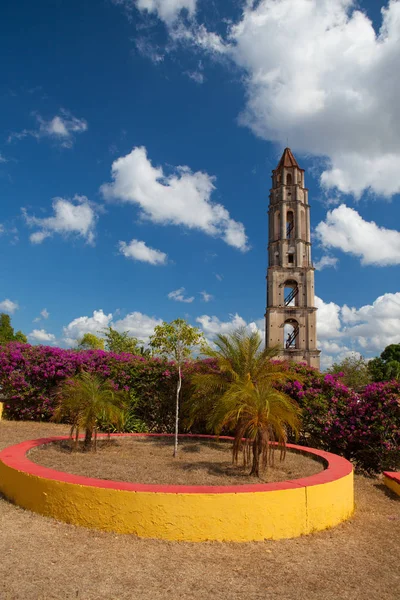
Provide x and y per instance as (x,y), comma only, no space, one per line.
(86,400)
(242,396)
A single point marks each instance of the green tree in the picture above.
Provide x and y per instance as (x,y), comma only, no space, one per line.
(176,340)
(89,341)
(387,365)
(7,331)
(121,342)
(355,371)
(86,401)
(243,396)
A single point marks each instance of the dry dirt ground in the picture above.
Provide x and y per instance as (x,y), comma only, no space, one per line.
(150,460)
(43,559)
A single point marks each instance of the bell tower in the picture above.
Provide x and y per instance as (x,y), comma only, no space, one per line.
(291,314)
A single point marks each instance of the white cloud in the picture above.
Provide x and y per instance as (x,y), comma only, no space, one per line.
(61,128)
(41,336)
(182,198)
(70,217)
(81,325)
(366,330)
(345,229)
(326,261)
(138,325)
(44,314)
(375,325)
(2,159)
(137,250)
(179,296)
(212,326)
(196,76)
(167,10)
(206,297)
(317,72)
(328,319)
(8,306)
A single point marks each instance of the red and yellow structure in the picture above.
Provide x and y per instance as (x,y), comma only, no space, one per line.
(392,481)
(239,513)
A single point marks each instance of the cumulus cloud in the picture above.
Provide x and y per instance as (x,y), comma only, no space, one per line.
(167,10)
(70,217)
(346,230)
(182,198)
(135,323)
(212,326)
(81,325)
(137,250)
(44,314)
(343,330)
(179,296)
(8,306)
(325,261)
(206,297)
(317,72)
(62,128)
(41,336)
(138,325)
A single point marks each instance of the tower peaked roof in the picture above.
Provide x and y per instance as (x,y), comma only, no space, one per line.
(287,160)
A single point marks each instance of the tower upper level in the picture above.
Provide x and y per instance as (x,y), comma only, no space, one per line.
(288,172)
(289,216)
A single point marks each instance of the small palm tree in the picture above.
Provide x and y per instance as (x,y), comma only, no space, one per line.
(86,400)
(259,415)
(241,395)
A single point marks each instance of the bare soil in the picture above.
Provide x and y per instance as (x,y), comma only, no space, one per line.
(42,559)
(150,460)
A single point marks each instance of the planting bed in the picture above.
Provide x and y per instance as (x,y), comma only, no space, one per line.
(56,561)
(150,460)
(182,512)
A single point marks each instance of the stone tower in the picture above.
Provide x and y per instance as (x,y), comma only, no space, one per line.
(291,314)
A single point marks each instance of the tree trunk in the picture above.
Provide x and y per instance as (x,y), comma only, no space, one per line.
(88,438)
(257,449)
(178,391)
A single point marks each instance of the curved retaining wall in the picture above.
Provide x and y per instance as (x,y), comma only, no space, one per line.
(392,481)
(174,512)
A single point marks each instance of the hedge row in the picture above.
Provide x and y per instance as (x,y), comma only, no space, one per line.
(364,427)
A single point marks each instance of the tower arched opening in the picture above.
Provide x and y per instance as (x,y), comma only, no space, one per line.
(289,179)
(302,225)
(277,225)
(290,224)
(291,331)
(291,293)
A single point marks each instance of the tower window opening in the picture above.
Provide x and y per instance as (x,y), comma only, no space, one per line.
(290,224)
(291,259)
(291,294)
(288,179)
(291,334)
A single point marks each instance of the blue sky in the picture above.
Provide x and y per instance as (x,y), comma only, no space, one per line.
(137,139)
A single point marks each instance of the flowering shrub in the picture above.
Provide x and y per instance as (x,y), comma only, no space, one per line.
(363,427)
(30,374)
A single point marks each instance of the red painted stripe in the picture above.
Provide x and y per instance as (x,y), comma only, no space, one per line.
(16,458)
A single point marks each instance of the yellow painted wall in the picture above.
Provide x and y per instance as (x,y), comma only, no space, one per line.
(1,410)
(194,517)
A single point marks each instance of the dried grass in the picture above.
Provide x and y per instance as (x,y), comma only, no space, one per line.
(150,460)
(42,559)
